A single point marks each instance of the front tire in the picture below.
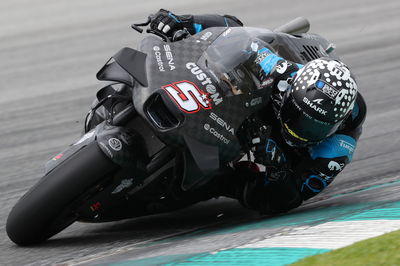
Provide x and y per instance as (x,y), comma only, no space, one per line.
(46,209)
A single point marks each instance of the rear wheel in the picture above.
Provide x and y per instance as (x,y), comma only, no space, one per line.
(48,207)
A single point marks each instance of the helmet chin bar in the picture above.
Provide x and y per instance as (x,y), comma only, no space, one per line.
(294,142)
(291,141)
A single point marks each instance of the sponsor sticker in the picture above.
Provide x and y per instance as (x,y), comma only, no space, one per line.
(206,82)
(57,157)
(261,57)
(267,82)
(256,101)
(115,144)
(334,166)
(159,60)
(125,183)
(187,96)
(344,144)
(222,123)
(328,91)
(206,36)
(168,55)
(227,32)
(312,105)
(216,134)
(282,67)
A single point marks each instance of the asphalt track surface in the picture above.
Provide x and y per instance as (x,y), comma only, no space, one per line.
(51,50)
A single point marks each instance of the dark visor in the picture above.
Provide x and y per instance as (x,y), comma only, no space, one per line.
(302,126)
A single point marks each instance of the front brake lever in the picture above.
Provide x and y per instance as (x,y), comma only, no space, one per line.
(138,26)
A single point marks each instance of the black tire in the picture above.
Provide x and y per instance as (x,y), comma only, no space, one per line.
(45,209)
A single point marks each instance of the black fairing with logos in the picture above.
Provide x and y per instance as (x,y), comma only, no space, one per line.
(196,93)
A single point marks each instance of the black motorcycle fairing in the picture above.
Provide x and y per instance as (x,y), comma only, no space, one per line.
(199,162)
(171,64)
(126,66)
(123,146)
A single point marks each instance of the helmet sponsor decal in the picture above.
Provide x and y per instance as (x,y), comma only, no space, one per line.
(338,70)
(313,105)
(327,90)
(318,101)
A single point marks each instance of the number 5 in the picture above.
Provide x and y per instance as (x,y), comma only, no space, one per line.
(187,96)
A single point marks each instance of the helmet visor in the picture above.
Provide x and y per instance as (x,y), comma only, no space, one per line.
(300,127)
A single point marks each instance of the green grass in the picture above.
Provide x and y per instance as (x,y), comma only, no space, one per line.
(381,250)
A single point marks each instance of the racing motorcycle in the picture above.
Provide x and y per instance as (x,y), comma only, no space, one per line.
(167,120)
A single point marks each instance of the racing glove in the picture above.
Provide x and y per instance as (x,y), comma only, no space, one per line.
(265,150)
(168,23)
(271,192)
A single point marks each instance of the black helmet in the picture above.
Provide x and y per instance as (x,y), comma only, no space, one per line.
(321,96)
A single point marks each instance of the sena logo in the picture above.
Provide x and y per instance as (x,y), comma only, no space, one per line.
(169,56)
(222,123)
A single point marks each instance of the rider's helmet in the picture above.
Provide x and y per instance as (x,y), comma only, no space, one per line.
(321,97)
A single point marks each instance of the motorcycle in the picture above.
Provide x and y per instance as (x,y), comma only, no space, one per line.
(167,121)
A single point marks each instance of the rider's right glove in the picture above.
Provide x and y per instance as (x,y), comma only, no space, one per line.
(168,23)
(272,191)
(266,151)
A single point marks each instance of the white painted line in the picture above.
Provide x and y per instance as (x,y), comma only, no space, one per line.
(331,235)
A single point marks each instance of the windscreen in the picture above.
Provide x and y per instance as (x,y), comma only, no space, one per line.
(230,61)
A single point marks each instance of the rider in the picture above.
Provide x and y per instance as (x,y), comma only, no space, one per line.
(312,136)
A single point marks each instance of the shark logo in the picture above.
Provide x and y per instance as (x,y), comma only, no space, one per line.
(318,101)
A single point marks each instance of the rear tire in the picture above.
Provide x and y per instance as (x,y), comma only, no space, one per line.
(45,209)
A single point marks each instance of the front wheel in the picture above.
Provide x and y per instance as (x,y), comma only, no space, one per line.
(48,207)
